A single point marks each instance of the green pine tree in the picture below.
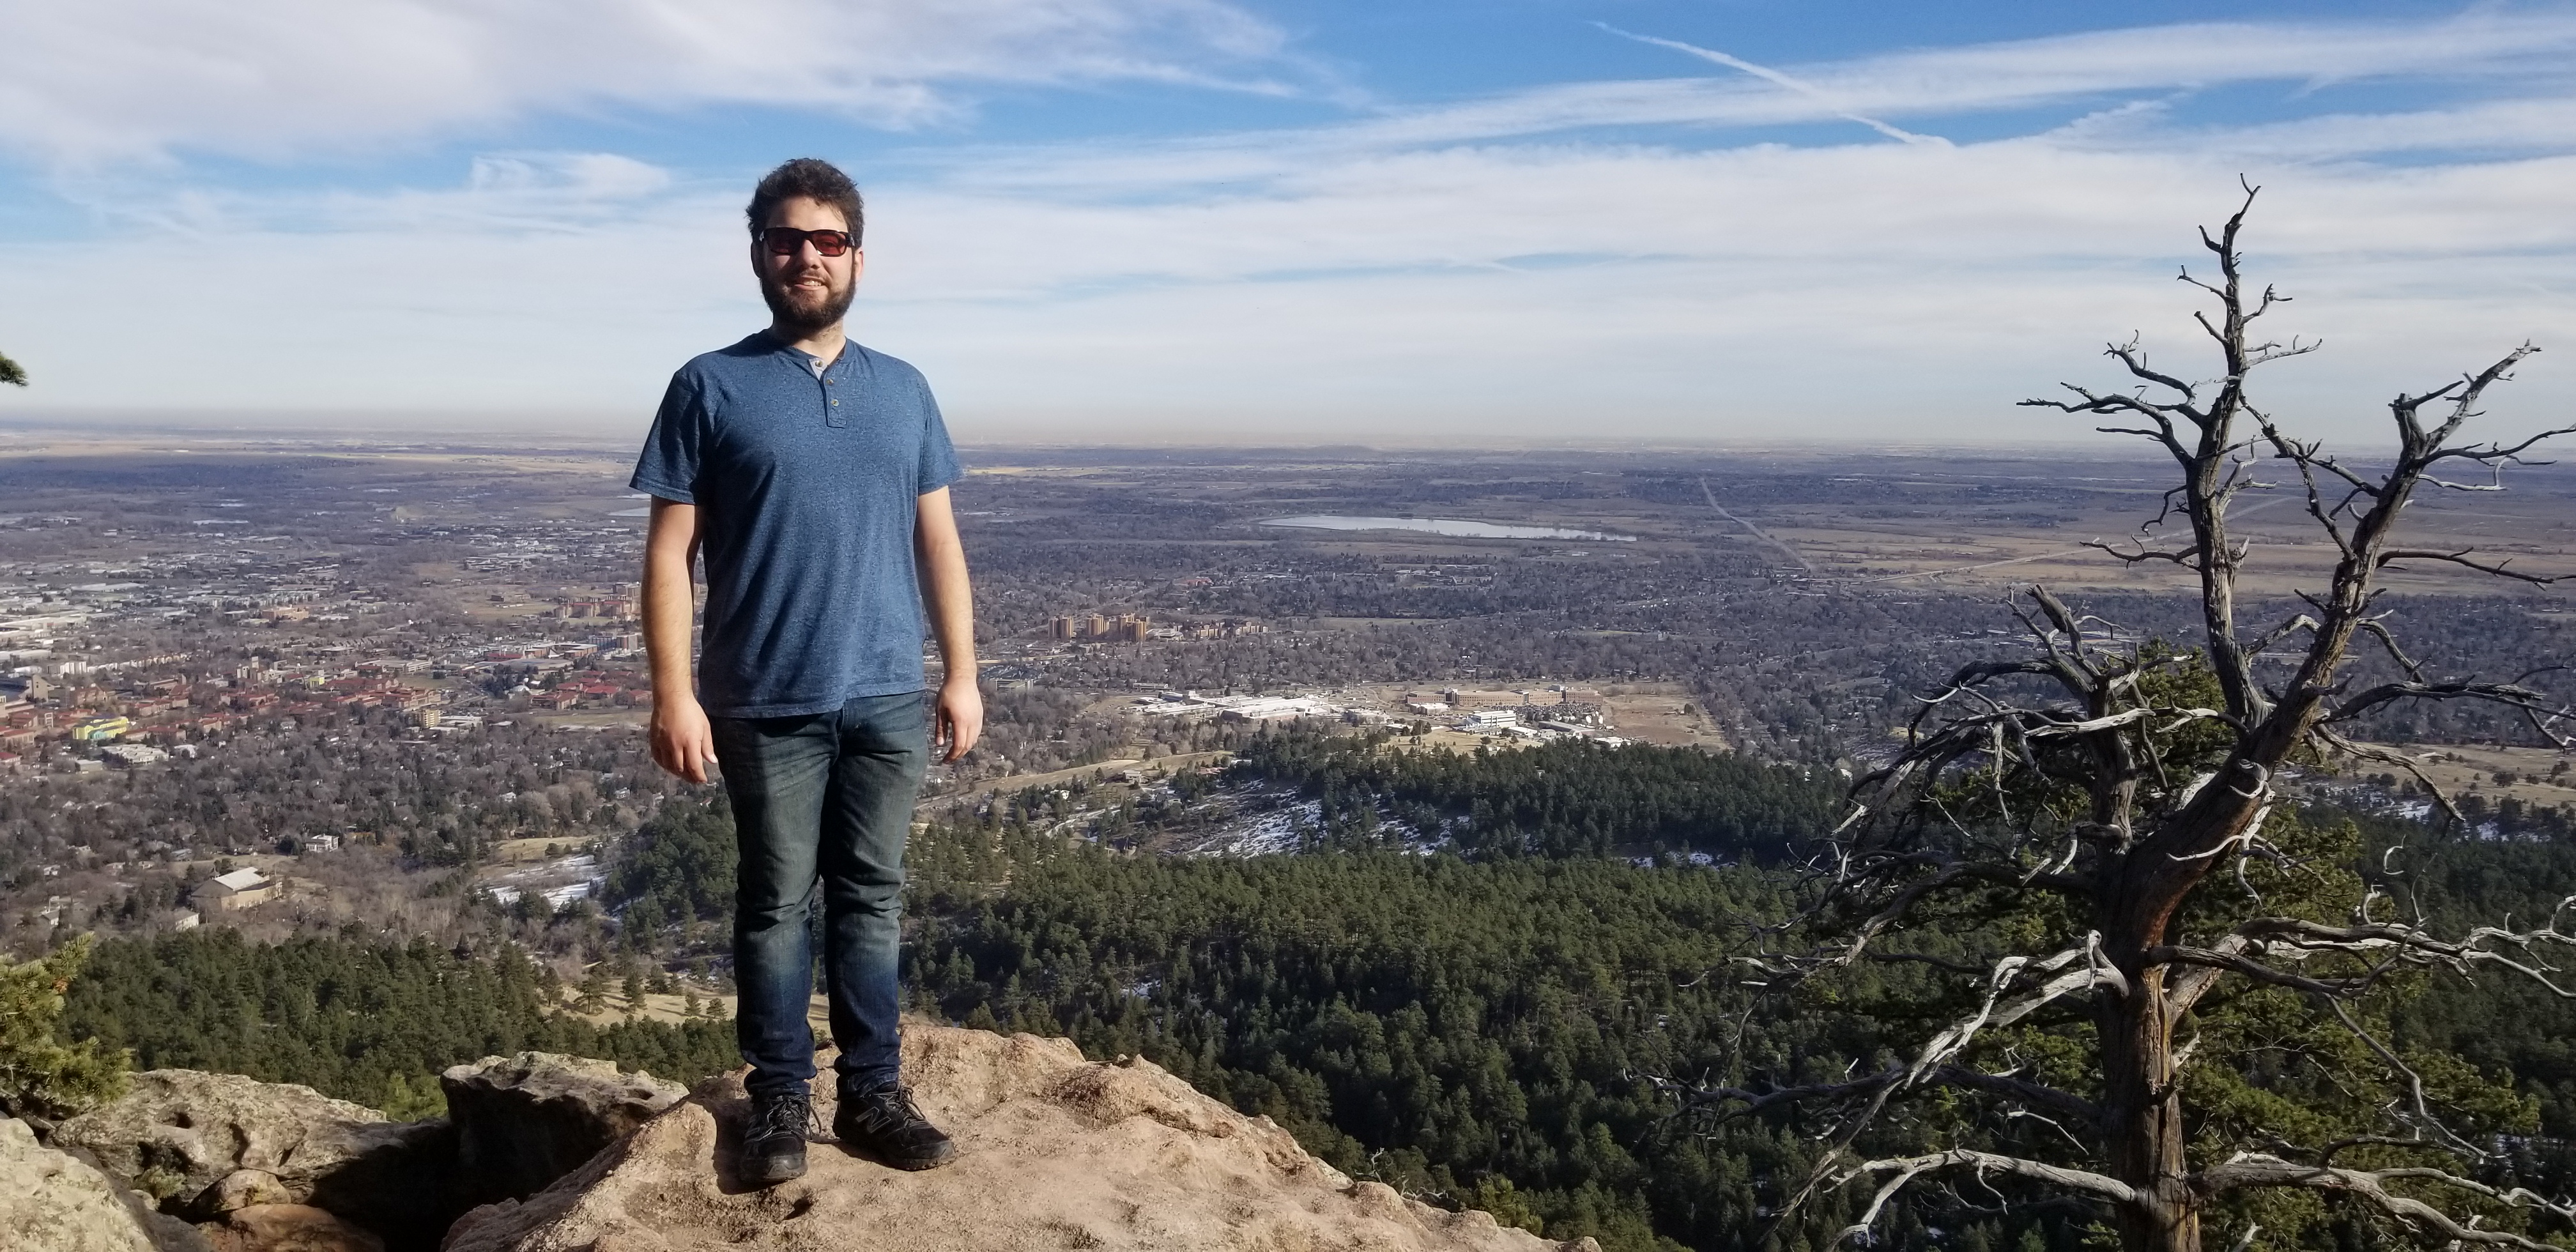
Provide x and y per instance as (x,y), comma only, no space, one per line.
(408,1100)
(40,1074)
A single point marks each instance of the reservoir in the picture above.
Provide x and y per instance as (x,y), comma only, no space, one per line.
(1454,527)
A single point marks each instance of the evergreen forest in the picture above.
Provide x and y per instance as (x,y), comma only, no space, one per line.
(1481,982)
(364,1021)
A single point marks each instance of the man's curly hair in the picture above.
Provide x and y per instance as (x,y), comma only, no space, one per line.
(818,181)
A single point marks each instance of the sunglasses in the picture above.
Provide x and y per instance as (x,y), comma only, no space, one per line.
(785,240)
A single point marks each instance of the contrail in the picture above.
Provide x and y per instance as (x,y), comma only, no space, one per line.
(1775,77)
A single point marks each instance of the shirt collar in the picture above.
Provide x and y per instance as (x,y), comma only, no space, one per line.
(810,363)
(805,359)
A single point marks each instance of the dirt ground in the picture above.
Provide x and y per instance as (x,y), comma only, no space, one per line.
(1057,778)
(2460,768)
(1660,713)
(670,1008)
(508,850)
(2532,530)
(1657,713)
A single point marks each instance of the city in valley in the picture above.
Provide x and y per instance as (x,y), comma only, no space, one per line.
(288,685)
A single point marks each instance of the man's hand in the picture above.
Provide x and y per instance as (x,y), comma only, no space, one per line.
(682,741)
(959,721)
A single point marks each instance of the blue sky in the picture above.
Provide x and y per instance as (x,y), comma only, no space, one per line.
(1430,223)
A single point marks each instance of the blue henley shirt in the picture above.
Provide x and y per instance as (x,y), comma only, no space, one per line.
(806,481)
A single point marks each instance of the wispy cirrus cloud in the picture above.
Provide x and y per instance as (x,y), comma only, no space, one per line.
(2526,59)
(121,80)
(2506,47)
(1823,98)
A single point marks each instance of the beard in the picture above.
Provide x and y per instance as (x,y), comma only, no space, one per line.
(800,313)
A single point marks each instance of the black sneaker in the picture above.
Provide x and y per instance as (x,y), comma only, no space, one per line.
(885,1124)
(773,1143)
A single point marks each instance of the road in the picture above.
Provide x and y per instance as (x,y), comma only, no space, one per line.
(1756,531)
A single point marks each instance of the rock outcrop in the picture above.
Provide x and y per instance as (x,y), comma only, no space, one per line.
(218,1142)
(51,1201)
(1058,1152)
(288,1228)
(524,1121)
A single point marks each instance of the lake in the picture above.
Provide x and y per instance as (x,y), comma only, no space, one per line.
(1454,527)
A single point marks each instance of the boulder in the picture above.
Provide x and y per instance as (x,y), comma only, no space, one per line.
(241,1189)
(288,1228)
(169,1234)
(524,1121)
(52,1202)
(181,1133)
(1057,1152)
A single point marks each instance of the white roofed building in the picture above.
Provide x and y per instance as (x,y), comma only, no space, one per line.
(240,889)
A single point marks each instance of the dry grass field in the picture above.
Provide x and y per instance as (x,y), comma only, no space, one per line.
(2532,524)
(1660,713)
(2539,777)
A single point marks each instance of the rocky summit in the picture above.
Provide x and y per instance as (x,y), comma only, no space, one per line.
(1058,1152)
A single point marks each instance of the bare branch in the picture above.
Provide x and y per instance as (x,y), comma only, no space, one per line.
(2338,988)
(2136,362)
(1730,1103)
(2389,756)
(2461,558)
(2247,1169)
(1948,874)
(2371,626)
(2187,560)
(2423,1112)
(1907,1169)
(2283,631)
(2499,455)
(2512,695)
(2482,946)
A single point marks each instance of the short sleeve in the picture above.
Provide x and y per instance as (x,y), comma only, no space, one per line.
(938,456)
(668,467)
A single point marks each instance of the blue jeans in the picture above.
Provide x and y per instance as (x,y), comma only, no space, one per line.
(823,798)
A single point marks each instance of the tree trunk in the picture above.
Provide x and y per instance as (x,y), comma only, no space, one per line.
(2142,1127)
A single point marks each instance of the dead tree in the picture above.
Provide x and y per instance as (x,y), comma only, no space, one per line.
(2102,783)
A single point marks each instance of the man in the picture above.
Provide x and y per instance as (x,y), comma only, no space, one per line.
(813,475)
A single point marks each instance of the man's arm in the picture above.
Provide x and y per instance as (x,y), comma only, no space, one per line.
(951,601)
(682,743)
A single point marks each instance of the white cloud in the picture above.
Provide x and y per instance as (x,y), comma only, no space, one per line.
(1528,293)
(2463,132)
(2482,45)
(2482,42)
(1864,291)
(1823,98)
(116,80)
(1388,280)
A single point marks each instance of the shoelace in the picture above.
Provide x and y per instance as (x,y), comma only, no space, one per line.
(891,1107)
(787,1115)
